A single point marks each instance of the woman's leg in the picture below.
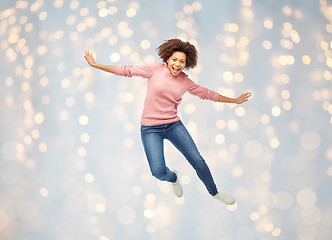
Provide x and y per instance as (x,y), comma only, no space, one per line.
(180,137)
(153,142)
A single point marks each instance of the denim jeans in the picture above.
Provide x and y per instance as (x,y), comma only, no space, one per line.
(153,142)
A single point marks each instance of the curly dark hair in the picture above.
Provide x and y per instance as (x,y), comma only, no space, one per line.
(170,46)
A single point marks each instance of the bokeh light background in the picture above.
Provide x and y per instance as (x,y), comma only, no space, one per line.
(72,163)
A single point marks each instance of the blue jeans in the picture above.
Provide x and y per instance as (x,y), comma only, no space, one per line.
(153,142)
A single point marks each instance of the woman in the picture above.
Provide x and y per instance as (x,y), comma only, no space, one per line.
(166,86)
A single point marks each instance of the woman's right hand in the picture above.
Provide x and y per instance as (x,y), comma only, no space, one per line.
(89,58)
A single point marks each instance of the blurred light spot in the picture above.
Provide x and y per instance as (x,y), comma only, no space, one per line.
(145,44)
(310,140)
(286,60)
(185,179)
(103,12)
(269,227)
(240,111)
(115,57)
(181,24)
(83,120)
(287,105)
(81,151)
(237,171)
(285,94)
(231,27)
(190,108)
(129,127)
(329,154)
(162,216)
(267,45)
(148,213)
(276,111)
(238,77)
(137,190)
(306,59)
(131,12)
(197,5)
(229,42)
(25,86)
(128,142)
(35,134)
(43,192)
(100,208)
(288,26)
(85,138)
(233,207)
(311,215)
(150,197)
(287,10)
(4,221)
(42,16)
(268,23)
(112,10)
(254,216)
(89,178)
(96,203)
(233,125)
(274,143)
(9,101)
(265,119)
(151,229)
(42,147)
(276,232)
(89,97)
(103,237)
(39,118)
(327,217)
(129,97)
(286,44)
(228,76)
(220,139)
(84,12)
(247,12)
(64,115)
(224,58)
(306,198)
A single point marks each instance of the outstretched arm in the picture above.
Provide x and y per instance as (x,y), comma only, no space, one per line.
(243,98)
(91,61)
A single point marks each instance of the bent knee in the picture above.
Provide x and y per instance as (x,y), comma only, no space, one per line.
(158,173)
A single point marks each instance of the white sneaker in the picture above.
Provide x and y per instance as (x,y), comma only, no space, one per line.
(229,200)
(177,188)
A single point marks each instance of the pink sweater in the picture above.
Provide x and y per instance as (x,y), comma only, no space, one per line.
(164,92)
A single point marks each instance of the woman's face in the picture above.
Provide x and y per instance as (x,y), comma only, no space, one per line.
(176,63)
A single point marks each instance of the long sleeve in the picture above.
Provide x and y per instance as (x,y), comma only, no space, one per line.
(144,71)
(202,92)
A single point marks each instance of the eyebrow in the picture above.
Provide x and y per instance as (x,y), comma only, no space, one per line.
(181,59)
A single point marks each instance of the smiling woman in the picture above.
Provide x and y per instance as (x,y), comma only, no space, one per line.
(166,86)
(176,63)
